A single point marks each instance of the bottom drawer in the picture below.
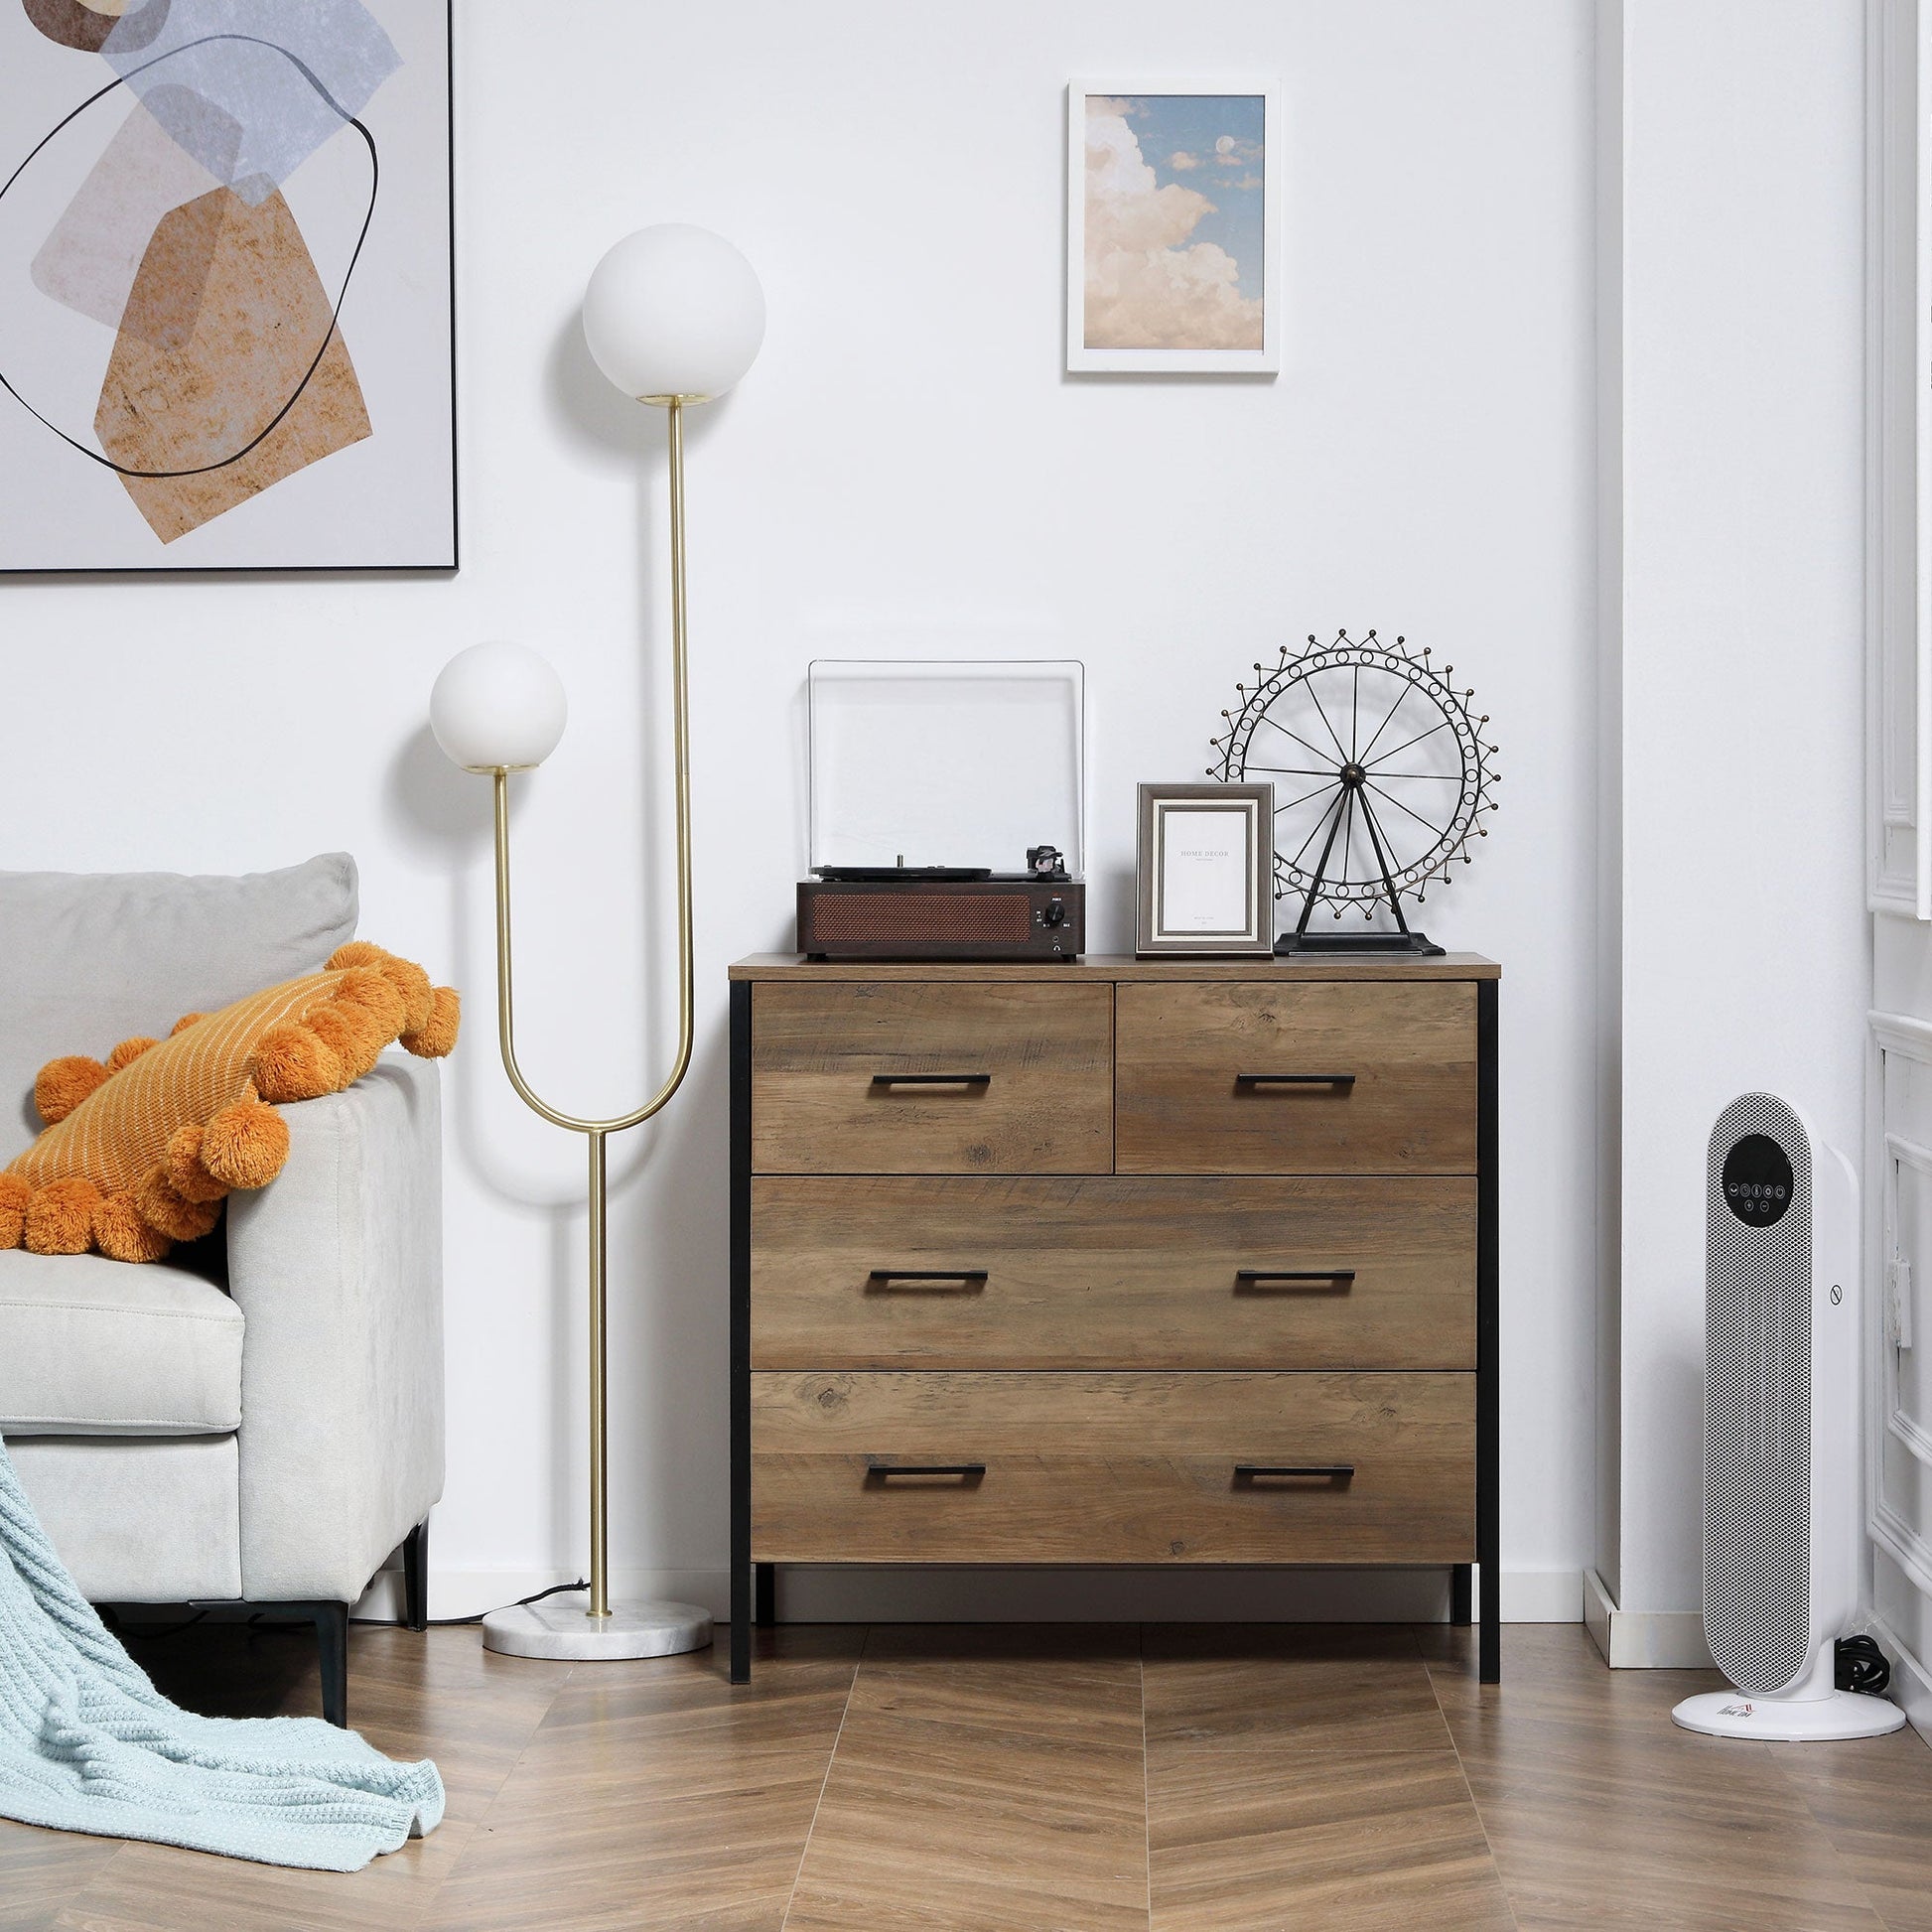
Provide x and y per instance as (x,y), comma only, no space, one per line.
(1141,1468)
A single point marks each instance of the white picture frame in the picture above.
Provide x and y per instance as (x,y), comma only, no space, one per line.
(1200,303)
(1205,871)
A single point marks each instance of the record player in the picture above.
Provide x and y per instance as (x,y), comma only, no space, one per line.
(942,761)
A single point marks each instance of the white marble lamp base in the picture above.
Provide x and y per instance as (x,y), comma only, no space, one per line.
(559,1626)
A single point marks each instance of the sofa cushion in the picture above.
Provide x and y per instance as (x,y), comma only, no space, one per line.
(88,1347)
(103,956)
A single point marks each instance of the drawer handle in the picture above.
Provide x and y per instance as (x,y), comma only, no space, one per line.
(967,1473)
(1339,1474)
(889,1081)
(1260,1281)
(926,1281)
(1341,1082)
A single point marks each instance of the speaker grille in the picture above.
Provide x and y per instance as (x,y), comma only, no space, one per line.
(886,918)
(1757,1415)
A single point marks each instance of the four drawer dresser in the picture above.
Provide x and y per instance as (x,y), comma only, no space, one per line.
(1114,1262)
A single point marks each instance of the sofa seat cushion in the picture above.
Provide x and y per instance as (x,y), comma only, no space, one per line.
(90,1348)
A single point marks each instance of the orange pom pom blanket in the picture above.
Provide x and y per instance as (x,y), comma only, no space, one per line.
(140,1150)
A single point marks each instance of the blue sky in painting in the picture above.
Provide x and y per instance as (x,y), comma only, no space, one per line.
(1192,127)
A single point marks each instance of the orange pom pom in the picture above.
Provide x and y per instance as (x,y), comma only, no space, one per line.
(163,1208)
(363,986)
(352,1033)
(61,1217)
(122,1233)
(128,1052)
(418,995)
(182,1024)
(245,1145)
(295,1063)
(434,1039)
(15,1194)
(356,952)
(61,1085)
(184,1171)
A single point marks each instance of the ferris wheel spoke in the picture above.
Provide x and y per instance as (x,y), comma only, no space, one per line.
(1407,742)
(1314,751)
(1355,716)
(1321,818)
(1305,797)
(1315,695)
(1434,777)
(1400,698)
(1295,770)
(1434,831)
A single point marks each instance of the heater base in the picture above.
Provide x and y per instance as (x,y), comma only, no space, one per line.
(1788,1721)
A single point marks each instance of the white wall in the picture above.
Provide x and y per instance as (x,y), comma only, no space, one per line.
(908,471)
(1744,954)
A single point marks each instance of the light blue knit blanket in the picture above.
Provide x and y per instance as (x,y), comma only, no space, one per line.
(88,1744)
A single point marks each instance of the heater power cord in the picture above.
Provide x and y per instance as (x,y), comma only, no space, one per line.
(1858,1664)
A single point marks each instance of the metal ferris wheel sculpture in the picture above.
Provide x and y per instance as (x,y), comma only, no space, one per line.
(1382,777)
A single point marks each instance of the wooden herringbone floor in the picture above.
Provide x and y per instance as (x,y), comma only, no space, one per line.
(1002,1780)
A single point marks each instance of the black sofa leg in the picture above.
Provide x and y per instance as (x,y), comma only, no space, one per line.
(1461,1596)
(415,1578)
(332,1637)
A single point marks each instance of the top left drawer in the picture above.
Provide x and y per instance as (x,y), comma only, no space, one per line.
(919,1076)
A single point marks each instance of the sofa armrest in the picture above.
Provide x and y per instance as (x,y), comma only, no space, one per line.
(338,1269)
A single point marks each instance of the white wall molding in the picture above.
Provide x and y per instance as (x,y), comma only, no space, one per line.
(1911,1680)
(1643,1640)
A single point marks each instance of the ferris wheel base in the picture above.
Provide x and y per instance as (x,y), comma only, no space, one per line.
(1292,945)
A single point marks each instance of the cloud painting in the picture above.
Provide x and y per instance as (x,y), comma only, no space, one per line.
(1175,223)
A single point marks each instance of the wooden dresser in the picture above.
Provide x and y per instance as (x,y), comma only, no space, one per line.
(1114,1262)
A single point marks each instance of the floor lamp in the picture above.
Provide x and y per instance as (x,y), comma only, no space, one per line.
(673,315)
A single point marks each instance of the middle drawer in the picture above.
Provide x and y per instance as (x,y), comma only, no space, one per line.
(884,1272)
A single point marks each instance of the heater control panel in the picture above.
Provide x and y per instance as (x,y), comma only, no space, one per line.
(1757,1180)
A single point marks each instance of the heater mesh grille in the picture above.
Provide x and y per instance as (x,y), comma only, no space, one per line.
(1757,1415)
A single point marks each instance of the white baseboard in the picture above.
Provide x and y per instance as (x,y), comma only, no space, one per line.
(1911,1680)
(892,1594)
(1643,1640)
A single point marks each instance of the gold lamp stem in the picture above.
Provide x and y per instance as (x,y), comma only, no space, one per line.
(596,1131)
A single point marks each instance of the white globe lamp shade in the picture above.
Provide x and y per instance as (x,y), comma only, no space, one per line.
(674,311)
(498,707)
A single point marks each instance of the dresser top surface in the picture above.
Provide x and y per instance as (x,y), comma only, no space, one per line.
(1111,968)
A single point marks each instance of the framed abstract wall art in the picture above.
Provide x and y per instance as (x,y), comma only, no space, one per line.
(1174,227)
(226,285)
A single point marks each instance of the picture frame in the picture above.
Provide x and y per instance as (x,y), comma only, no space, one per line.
(1198,163)
(165,293)
(1206,871)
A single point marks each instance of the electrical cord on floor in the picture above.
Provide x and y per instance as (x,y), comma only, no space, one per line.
(456,1622)
(1858,1664)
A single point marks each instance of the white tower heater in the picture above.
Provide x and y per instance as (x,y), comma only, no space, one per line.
(1781,1503)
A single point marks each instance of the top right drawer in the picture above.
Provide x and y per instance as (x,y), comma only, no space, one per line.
(1277,1077)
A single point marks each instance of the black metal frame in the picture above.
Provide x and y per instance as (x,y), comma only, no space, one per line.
(331,1619)
(754,1586)
(740,1344)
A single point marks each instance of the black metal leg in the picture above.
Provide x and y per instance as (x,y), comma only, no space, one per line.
(415,1578)
(1489,1637)
(765,1595)
(741,1333)
(332,1637)
(1461,1595)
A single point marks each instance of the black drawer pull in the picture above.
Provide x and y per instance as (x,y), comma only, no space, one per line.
(1259,1280)
(932,1079)
(926,1281)
(1339,1474)
(1341,1081)
(969,1473)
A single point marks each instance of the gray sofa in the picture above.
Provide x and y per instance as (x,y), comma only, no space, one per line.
(258,1419)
